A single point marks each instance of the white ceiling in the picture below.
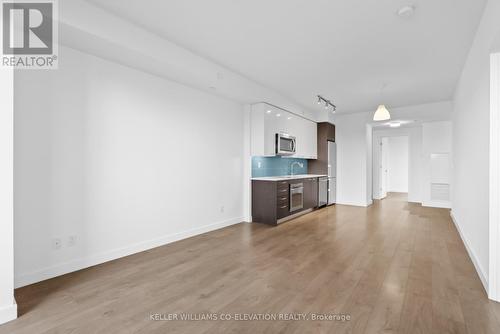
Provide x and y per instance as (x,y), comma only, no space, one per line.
(343,49)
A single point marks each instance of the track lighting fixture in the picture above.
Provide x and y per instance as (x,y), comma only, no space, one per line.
(327,103)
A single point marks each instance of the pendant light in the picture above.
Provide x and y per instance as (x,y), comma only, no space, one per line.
(382,114)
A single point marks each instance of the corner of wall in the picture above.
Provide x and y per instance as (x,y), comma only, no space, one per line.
(475,260)
(8,313)
(247,163)
(8,308)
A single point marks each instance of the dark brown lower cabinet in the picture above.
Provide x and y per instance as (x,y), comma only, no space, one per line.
(310,193)
(271,199)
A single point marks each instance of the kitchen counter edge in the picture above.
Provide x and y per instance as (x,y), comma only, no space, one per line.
(286,178)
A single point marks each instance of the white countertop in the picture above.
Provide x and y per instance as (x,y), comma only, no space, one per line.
(287,177)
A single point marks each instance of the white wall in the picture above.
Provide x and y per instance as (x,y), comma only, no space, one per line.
(124,160)
(436,161)
(421,142)
(398,164)
(8,309)
(471,117)
(353,183)
(351,139)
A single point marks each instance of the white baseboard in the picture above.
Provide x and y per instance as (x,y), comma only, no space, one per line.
(361,204)
(472,255)
(8,313)
(414,201)
(434,204)
(78,264)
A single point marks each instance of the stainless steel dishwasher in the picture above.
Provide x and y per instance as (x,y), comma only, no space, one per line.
(322,191)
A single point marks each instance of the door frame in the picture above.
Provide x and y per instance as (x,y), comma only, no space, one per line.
(494,191)
(383,161)
(376,156)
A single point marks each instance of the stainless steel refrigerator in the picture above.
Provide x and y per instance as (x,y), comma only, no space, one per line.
(332,173)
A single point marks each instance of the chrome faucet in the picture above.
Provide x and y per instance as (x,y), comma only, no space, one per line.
(295,163)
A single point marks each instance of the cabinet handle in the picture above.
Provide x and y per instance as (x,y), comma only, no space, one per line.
(283,190)
(283,207)
(282,198)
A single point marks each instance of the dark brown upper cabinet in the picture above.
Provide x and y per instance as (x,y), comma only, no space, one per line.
(326,133)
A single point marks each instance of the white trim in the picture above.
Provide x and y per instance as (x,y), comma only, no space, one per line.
(8,313)
(479,269)
(7,302)
(437,204)
(78,264)
(349,203)
(494,175)
(247,164)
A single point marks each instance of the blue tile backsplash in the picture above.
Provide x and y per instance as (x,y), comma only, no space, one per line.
(276,166)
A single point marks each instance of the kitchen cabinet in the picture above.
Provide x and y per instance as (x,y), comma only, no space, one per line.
(271,199)
(325,134)
(266,121)
(309,140)
(310,193)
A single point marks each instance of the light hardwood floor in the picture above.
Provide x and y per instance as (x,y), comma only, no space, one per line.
(393,267)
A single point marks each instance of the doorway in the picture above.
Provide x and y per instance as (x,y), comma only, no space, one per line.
(493,285)
(391,162)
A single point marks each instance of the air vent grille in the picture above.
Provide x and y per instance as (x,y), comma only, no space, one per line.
(440,192)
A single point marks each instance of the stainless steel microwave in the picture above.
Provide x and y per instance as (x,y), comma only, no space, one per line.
(285,144)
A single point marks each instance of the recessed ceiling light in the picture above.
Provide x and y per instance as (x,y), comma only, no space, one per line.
(289,118)
(269,111)
(278,115)
(394,124)
(406,11)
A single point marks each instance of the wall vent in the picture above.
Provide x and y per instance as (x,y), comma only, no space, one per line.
(440,192)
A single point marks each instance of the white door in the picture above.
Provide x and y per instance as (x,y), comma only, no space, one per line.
(384,155)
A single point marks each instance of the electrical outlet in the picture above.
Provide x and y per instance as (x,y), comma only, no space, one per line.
(222,209)
(71,240)
(56,243)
